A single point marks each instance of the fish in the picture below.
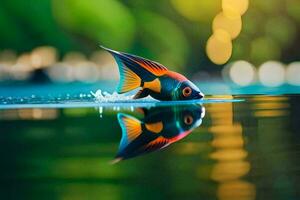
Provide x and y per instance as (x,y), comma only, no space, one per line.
(160,127)
(153,78)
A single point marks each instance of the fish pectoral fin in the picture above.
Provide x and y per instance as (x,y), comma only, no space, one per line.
(141,94)
(156,144)
(131,129)
(154,85)
(156,127)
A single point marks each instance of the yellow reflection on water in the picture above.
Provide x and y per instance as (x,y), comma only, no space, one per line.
(219,97)
(225,129)
(271,113)
(270,106)
(37,113)
(29,114)
(269,98)
(223,171)
(230,155)
(237,189)
(227,142)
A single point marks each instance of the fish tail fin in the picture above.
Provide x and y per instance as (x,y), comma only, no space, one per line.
(135,70)
(129,80)
(131,129)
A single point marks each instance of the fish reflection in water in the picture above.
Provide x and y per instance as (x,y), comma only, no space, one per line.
(160,127)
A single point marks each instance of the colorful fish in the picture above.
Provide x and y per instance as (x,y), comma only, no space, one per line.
(160,127)
(154,79)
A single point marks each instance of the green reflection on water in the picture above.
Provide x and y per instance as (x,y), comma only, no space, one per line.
(242,150)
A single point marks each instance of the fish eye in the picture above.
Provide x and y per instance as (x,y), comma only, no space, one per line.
(187,91)
(188,120)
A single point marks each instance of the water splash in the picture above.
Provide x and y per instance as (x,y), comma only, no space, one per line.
(113,97)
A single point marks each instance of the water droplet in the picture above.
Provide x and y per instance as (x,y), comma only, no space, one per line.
(100,111)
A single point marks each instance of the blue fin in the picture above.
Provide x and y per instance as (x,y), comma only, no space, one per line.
(131,129)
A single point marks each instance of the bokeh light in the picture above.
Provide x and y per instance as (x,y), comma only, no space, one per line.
(219,47)
(242,73)
(235,7)
(70,41)
(43,56)
(293,73)
(196,10)
(228,21)
(272,74)
(232,24)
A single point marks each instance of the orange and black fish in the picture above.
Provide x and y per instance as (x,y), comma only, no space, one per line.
(160,127)
(154,79)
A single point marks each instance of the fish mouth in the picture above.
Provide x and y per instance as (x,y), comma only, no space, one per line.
(199,95)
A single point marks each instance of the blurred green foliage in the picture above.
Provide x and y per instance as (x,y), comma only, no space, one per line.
(173,32)
(108,22)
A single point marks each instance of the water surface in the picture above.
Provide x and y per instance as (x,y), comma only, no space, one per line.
(240,150)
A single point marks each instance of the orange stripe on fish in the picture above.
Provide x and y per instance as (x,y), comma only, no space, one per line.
(153,85)
(153,67)
(155,127)
(159,142)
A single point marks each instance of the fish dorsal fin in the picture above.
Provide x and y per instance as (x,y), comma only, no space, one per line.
(158,143)
(131,129)
(155,68)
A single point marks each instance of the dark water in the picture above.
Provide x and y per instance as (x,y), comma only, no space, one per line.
(238,150)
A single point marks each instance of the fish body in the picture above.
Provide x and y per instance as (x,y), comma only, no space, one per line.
(159,128)
(153,78)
